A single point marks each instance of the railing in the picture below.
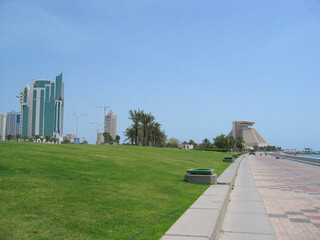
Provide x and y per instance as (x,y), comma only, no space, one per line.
(297,158)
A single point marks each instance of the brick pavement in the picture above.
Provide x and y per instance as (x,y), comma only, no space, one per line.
(291,195)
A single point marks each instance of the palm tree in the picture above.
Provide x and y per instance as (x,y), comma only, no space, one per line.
(146,120)
(107,138)
(240,143)
(47,138)
(232,142)
(155,133)
(161,139)
(135,116)
(117,140)
(130,134)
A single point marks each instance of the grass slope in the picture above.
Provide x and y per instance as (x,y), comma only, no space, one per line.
(52,191)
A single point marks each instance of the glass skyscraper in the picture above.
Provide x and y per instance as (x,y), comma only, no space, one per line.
(42,108)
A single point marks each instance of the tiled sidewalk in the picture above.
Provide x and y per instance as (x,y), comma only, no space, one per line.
(291,195)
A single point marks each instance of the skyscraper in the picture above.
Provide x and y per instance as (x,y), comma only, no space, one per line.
(110,124)
(3,120)
(42,108)
(13,123)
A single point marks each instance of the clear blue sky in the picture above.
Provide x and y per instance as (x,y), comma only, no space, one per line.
(195,65)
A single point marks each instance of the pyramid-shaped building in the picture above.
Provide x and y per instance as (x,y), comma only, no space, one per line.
(249,134)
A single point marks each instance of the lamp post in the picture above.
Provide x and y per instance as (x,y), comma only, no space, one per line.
(77,118)
(97,126)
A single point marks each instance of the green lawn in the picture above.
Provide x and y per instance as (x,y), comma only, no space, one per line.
(50,191)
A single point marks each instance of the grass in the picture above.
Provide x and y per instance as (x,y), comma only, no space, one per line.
(50,191)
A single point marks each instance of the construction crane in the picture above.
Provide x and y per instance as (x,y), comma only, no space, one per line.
(104,108)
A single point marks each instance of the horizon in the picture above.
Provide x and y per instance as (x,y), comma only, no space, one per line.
(197,66)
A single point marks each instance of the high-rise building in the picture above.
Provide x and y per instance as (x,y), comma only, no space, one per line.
(13,123)
(110,124)
(42,107)
(3,123)
(249,134)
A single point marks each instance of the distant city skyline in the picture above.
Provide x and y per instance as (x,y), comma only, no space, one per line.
(197,66)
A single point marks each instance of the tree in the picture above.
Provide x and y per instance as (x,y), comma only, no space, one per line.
(107,138)
(232,142)
(130,134)
(65,141)
(18,137)
(144,130)
(221,142)
(206,143)
(24,138)
(135,116)
(191,142)
(47,138)
(146,120)
(9,137)
(36,137)
(53,139)
(84,142)
(240,143)
(173,143)
(117,140)
(155,134)
(41,139)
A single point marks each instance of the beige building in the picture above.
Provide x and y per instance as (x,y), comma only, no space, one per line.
(70,137)
(110,124)
(249,134)
(100,138)
(3,120)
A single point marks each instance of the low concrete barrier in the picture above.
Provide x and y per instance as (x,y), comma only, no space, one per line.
(296,158)
(203,220)
(229,175)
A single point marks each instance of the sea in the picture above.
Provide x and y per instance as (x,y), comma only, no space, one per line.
(310,155)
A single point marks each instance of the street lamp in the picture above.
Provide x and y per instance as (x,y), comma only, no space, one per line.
(77,118)
(97,126)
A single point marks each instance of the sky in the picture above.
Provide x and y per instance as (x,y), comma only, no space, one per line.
(197,66)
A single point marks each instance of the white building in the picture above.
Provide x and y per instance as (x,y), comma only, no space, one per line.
(110,124)
(186,146)
(3,120)
(100,138)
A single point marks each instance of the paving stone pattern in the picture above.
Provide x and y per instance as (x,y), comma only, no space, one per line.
(291,195)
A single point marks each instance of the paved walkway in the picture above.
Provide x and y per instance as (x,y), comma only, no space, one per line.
(246,217)
(291,196)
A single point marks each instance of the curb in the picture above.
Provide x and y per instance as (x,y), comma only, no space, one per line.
(203,220)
